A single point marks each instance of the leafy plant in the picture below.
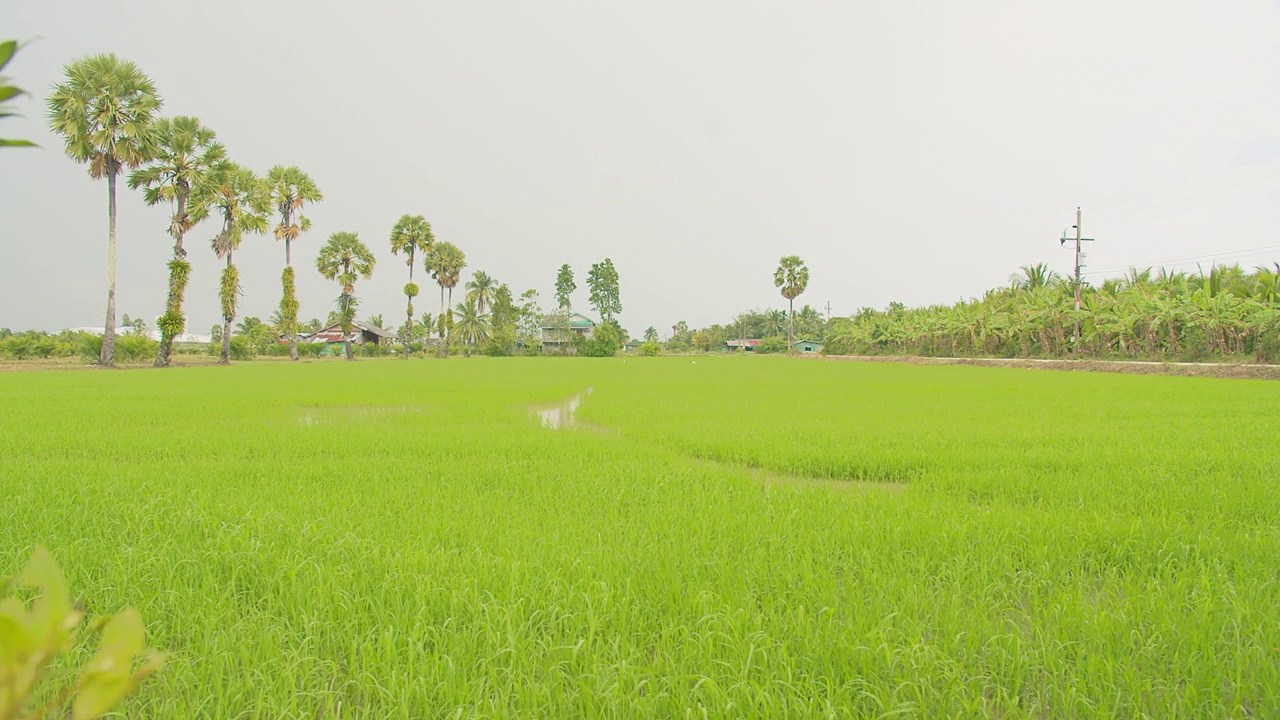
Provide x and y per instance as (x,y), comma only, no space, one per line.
(8,92)
(36,635)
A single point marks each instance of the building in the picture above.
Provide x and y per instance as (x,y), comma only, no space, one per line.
(744,345)
(559,332)
(364,334)
(808,346)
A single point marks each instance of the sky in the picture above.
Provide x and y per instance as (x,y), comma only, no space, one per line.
(908,151)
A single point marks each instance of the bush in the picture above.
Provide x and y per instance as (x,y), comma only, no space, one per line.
(772,345)
(651,348)
(90,347)
(307,350)
(370,349)
(604,342)
(132,348)
(675,346)
(1267,348)
(496,349)
(18,347)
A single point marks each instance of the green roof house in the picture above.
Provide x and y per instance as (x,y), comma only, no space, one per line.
(560,331)
(808,346)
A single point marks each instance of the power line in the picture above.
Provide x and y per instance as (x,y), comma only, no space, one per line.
(1189,197)
(1221,255)
(1190,180)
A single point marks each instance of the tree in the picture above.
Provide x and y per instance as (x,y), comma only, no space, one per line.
(480,289)
(376,321)
(792,276)
(291,191)
(104,112)
(530,319)
(243,200)
(503,319)
(9,92)
(605,296)
(472,327)
(445,263)
(651,334)
(411,235)
(344,258)
(565,287)
(186,152)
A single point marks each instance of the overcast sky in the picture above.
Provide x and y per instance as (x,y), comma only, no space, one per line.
(907,150)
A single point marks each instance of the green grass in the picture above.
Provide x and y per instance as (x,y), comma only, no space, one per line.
(390,539)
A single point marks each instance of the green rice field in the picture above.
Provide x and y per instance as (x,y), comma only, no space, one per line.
(731,537)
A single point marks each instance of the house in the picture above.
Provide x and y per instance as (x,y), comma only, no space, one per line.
(808,346)
(632,345)
(744,345)
(364,334)
(559,332)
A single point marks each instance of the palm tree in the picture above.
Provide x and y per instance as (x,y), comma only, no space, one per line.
(480,289)
(472,326)
(651,334)
(291,190)
(445,263)
(792,276)
(186,152)
(344,258)
(411,234)
(104,111)
(243,200)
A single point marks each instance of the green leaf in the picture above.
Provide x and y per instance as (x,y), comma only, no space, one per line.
(50,610)
(100,694)
(7,49)
(8,92)
(17,143)
(15,639)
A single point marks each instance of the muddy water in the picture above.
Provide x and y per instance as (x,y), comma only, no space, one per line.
(561,415)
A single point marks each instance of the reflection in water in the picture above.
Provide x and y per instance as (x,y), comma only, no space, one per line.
(560,415)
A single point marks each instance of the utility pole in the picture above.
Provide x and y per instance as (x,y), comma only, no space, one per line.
(1079,240)
(827,329)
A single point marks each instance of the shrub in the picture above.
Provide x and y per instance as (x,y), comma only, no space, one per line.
(18,347)
(651,348)
(132,348)
(772,345)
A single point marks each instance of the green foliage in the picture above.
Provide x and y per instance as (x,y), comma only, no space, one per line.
(104,112)
(411,290)
(39,635)
(9,92)
(772,345)
(651,348)
(606,340)
(288,303)
(565,286)
(229,291)
(605,296)
(135,348)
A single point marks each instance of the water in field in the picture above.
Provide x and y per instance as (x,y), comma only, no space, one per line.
(561,415)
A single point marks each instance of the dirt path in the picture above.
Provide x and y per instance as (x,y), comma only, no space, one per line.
(1216,370)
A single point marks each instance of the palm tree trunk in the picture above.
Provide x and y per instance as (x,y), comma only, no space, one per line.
(293,322)
(177,286)
(791,325)
(107,356)
(408,311)
(226,327)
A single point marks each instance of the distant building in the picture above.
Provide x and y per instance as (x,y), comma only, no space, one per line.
(744,345)
(364,334)
(808,346)
(560,336)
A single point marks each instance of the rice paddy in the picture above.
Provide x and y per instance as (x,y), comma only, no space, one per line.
(740,537)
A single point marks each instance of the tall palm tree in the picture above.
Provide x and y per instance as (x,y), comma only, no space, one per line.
(480,289)
(792,276)
(445,263)
(412,234)
(243,200)
(186,151)
(344,258)
(104,112)
(473,326)
(291,190)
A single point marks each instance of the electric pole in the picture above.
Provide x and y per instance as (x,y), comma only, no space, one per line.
(827,329)
(1079,240)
